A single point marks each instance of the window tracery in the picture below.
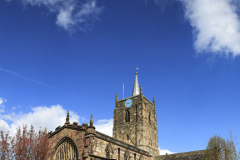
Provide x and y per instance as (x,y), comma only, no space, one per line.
(127,116)
(66,150)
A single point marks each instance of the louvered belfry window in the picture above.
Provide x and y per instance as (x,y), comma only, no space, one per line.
(127,116)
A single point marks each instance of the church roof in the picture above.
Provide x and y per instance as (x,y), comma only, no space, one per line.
(135,86)
(193,155)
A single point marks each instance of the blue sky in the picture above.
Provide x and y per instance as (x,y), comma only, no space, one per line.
(75,55)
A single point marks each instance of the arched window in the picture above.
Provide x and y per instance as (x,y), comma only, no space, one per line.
(127,137)
(149,118)
(109,151)
(66,150)
(127,116)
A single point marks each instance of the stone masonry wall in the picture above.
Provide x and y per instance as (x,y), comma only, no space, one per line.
(140,131)
(102,143)
(101,146)
(148,128)
(78,136)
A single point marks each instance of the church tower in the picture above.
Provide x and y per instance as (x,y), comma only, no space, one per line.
(135,121)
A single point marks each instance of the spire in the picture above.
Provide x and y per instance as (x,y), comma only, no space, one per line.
(67,119)
(91,121)
(135,86)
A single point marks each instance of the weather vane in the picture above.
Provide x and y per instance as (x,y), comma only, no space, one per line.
(136,68)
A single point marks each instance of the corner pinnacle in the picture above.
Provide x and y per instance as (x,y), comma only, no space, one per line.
(91,121)
(67,119)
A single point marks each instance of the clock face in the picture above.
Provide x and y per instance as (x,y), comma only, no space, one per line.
(128,103)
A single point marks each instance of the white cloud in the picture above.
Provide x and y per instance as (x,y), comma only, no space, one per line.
(50,117)
(2,100)
(41,116)
(164,151)
(71,14)
(216,25)
(64,18)
(4,126)
(104,126)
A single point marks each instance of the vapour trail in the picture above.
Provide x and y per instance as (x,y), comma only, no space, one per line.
(25,78)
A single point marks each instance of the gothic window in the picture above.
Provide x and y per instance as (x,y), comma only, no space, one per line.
(109,151)
(66,150)
(127,116)
(127,137)
(134,156)
(149,118)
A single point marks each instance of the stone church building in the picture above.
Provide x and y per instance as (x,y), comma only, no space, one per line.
(135,135)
